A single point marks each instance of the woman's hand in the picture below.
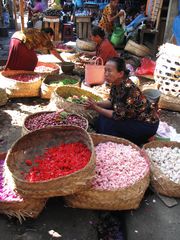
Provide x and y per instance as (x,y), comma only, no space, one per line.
(90,104)
(121,13)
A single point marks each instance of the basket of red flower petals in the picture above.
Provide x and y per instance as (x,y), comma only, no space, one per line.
(54,161)
(11,203)
(122,176)
(21,83)
(47,68)
(49,119)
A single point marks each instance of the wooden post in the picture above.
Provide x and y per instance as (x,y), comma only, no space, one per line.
(22,14)
(1,11)
(14,13)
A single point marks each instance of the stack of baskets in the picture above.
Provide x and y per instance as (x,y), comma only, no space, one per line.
(47,89)
(167,75)
(137,49)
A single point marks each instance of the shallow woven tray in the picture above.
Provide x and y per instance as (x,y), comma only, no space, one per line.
(25,130)
(55,68)
(16,88)
(28,207)
(46,89)
(33,144)
(85,45)
(122,199)
(61,93)
(160,182)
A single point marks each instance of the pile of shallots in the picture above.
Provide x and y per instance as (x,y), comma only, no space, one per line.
(118,166)
(168,160)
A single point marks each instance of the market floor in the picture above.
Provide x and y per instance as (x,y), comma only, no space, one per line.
(152,221)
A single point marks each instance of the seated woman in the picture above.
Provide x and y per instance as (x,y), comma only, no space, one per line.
(127,114)
(104,48)
(22,55)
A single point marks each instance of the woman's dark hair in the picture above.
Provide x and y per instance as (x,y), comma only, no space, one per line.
(120,64)
(48,31)
(97,31)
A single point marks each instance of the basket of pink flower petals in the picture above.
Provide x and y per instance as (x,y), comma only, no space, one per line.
(11,203)
(122,176)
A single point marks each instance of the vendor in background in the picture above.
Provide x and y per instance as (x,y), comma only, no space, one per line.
(104,48)
(38,8)
(127,114)
(110,16)
(22,55)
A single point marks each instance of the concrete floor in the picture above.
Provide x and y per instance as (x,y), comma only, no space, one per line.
(152,221)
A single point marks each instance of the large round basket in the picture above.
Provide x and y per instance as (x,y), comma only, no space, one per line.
(101,90)
(25,130)
(160,182)
(62,93)
(47,68)
(122,199)
(137,49)
(33,144)
(15,88)
(47,89)
(3,97)
(86,45)
(27,207)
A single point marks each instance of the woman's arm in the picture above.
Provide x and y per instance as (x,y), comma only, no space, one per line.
(119,14)
(104,104)
(56,54)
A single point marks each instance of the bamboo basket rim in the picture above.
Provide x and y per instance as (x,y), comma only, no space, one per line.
(79,89)
(43,130)
(41,112)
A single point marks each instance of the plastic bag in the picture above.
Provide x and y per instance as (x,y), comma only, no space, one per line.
(147,67)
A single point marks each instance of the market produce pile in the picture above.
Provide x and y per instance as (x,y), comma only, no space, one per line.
(76,99)
(6,193)
(118,166)
(168,160)
(43,69)
(45,119)
(52,12)
(58,161)
(63,47)
(25,77)
(63,82)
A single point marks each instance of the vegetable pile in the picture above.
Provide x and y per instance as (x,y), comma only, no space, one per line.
(45,119)
(62,82)
(168,160)
(76,99)
(63,47)
(58,161)
(118,166)
(25,77)
(6,193)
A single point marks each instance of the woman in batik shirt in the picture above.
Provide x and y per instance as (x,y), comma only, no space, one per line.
(110,15)
(127,113)
(22,55)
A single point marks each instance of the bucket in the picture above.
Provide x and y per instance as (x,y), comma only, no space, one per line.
(117,37)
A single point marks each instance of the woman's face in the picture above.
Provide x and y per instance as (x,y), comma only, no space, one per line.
(114,3)
(111,73)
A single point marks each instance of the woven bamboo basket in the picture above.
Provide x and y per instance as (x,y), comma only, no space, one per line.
(61,93)
(16,88)
(27,207)
(122,199)
(49,68)
(46,89)
(161,182)
(86,45)
(33,144)
(25,130)
(101,90)
(137,49)
(3,97)
(169,103)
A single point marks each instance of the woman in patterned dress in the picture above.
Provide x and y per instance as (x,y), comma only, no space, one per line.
(127,113)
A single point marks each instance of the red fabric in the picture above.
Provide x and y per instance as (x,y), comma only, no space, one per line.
(106,50)
(20,57)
